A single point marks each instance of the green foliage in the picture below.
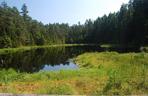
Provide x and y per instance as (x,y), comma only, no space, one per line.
(18,30)
(125,27)
(24,11)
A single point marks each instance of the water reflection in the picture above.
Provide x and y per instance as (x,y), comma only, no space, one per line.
(53,58)
(70,65)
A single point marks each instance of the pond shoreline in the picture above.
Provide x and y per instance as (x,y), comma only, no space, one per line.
(3,50)
(108,73)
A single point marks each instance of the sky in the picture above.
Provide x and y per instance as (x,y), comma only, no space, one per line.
(67,11)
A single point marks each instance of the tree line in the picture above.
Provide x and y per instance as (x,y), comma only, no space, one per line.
(128,26)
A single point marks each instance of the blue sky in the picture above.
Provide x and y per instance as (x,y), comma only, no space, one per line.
(67,11)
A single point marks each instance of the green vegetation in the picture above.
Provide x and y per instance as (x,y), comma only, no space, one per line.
(99,73)
(127,73)
(125,27)
(81,81)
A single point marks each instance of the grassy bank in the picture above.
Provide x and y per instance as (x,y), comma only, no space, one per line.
(82,81)
(99,73)
(127,73)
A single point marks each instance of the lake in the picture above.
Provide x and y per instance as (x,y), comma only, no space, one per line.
(49,59)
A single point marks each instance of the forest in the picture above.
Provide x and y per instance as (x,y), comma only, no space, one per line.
(106,56)
(127,27)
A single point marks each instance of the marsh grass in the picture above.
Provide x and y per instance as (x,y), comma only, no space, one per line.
(108,73)
(82,81)
(127,72)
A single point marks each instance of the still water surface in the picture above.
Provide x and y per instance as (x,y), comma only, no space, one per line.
(47,59)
